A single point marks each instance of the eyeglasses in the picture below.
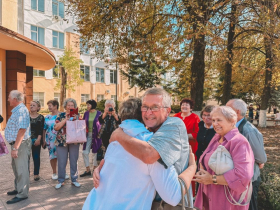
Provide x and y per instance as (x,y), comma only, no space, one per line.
(205,115)
(153,108)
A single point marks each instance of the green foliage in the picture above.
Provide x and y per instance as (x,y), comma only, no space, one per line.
(175,108)
(82,108)
(144,71)
(71,66)
(269,194)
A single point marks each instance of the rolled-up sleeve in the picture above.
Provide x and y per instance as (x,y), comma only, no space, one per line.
(255,139)
(243,159)
(166,183)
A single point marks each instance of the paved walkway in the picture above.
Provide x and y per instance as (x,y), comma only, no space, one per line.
(42,193)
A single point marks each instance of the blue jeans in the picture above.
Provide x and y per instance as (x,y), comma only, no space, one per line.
(36,150)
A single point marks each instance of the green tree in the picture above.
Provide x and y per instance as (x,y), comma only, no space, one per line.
(69,72)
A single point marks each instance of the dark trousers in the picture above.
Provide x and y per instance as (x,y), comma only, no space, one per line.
(105,139)
(36,150)
(254,198)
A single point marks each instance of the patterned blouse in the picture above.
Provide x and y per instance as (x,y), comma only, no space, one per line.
(61,134)
(37,126)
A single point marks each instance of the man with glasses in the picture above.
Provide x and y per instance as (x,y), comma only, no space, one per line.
(169,144)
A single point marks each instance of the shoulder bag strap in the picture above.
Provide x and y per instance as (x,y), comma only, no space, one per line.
(248,191)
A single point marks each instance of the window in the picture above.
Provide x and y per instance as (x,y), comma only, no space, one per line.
(84,98)
(85,70)
(113,76)
(56,96)
(38,34)
(56,71)
(100,97)
(58,39)
(114,97)
(39,96)
(58,8)
(38,5)
(83,49)
(38,73)
(99,75)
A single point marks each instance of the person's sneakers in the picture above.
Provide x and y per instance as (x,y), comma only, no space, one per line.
(15,200)
(14,192)
(76,184)
(59,185)
(86,174)
(54,177)
(66,176)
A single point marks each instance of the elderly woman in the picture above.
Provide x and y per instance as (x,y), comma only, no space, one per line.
(110,121)
(93,143)
(50,134)
(37,126)
(128,182)
(206,131)
(211,193)
(64,149)
(191,121)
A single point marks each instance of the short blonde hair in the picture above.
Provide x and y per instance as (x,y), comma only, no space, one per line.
(227,111)
(38,104)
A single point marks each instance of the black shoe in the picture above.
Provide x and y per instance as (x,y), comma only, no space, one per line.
(15,200)
(85,174)
(14,192)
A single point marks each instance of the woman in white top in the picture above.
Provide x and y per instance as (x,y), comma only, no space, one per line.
(128,182)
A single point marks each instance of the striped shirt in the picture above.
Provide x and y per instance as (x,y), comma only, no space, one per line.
(20,119)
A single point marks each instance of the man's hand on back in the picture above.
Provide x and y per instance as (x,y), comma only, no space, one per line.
(117,134)
(96,172)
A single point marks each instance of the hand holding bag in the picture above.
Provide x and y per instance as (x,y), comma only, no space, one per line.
(3,148)
(221,162)
(76,132)
(165,206)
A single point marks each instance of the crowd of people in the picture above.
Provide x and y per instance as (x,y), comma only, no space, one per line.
(152,161)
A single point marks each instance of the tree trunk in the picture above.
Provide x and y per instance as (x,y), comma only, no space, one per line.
(228,67)
(266,94)
(197,72)
(63,77)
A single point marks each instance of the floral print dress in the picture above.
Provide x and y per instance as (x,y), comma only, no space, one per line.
(50,135)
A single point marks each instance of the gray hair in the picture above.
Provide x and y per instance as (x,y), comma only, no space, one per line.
(240,105)
(166,99)
(17,95)
(110,101)
(131,109)
(207,108)
(67,100)
(227,111)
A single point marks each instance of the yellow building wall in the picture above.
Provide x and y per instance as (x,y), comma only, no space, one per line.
(3,87)
(10,14)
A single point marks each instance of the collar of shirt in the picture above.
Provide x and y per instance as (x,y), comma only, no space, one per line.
(228,136)
(238,123)
(17,107)
(211,127)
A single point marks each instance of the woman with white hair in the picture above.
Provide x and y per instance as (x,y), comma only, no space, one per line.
(223,190)
(110,121)
(37,126)
(63,149)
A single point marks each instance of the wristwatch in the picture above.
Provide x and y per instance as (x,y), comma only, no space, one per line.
(14,149)
(214,179)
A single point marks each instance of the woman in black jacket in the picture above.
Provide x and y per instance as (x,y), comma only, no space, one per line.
(205,132)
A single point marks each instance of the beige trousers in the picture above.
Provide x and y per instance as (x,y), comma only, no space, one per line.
(20,167)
